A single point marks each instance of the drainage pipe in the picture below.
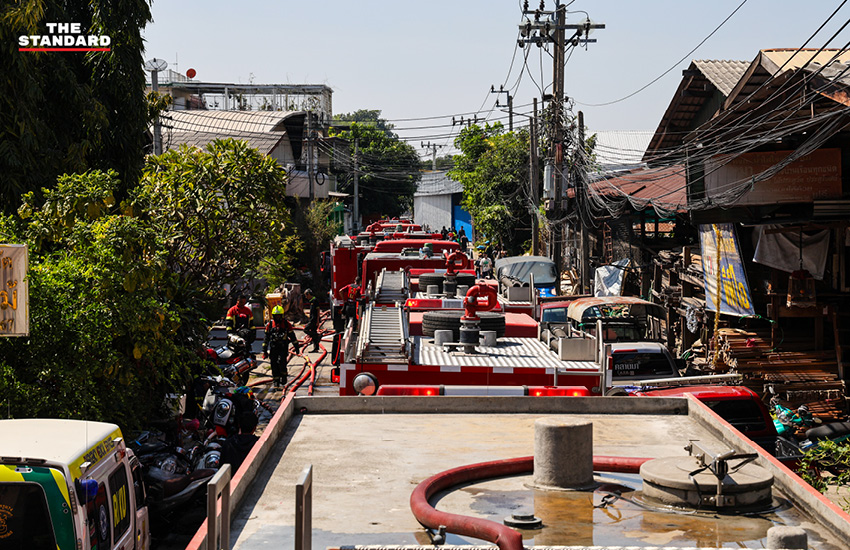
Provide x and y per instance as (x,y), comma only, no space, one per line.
(484,529)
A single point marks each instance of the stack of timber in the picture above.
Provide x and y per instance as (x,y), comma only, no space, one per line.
(796,375)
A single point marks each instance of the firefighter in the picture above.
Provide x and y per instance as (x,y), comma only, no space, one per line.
(240,321)
(279,334)
(350,296)
(311,329)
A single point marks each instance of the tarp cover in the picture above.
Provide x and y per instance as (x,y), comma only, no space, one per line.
(609,278)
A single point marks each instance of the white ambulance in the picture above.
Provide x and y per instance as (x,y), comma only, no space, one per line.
(69,485)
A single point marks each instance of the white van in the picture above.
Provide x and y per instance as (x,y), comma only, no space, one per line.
(68,485)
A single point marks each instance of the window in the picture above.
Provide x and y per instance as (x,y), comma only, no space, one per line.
(643,365)
(120,495)
(138,484)
(24,518)
(555,315)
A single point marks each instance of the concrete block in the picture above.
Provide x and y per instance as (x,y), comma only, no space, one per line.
(563,453)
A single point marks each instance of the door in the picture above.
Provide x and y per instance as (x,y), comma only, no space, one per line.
(142,521)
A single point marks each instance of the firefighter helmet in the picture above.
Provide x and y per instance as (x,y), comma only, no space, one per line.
(277,310)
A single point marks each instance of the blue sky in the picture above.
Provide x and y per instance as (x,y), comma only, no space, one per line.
(439,58)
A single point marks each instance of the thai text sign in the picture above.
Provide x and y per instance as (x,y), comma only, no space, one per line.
(14,290)
(718,242)
(812,177)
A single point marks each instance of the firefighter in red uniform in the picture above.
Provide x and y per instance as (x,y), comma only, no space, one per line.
(240,321)
(351,296)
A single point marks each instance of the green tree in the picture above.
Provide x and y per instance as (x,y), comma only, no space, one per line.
(222,212)
(107,336)
(316,229)
(121,291)
(493,168)
(443,163)
(388,167)
(67,112)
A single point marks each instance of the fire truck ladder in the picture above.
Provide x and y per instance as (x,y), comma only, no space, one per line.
(391,287)
(383,336)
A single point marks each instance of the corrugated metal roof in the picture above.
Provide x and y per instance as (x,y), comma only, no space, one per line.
(779,56)
(510,353)
(619,150)
(437,183)
(262,130)
(664,188)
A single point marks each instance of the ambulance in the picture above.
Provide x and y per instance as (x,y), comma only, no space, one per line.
(69,485)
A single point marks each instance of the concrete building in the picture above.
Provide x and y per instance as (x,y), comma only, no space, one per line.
(437,203)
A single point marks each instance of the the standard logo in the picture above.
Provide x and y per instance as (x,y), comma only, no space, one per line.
(64,37)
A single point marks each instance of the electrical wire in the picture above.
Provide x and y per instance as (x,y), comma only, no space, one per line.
(662,75)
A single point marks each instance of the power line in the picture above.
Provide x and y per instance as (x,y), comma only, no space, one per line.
(662,75)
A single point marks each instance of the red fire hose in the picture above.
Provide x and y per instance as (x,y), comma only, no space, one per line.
(484,529)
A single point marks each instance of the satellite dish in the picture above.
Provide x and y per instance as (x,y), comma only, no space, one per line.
(156,64)
(191,73)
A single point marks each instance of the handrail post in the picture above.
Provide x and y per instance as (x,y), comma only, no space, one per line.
(304,510)
(219,485)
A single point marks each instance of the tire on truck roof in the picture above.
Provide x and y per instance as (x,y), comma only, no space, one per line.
(427,279)
(450,320)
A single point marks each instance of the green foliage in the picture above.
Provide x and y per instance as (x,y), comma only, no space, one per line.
(120,292)
(443,163)
(389,167)
(827,464)
(364,117)
(493,168)
(67,112)
(221,213)
(107,339)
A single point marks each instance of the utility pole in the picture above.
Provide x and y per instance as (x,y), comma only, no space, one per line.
(310,152)
(580,195)
(469,121)
(510,104)
(558,137)
(532,178)
(356,213)
(433,147)
(548,27)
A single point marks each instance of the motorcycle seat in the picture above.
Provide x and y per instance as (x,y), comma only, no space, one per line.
(150,448)
(828,431)
(174,486)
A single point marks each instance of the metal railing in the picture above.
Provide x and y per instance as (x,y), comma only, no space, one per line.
(304,510)
(218,535)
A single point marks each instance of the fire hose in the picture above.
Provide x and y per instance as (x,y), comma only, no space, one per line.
(505,537)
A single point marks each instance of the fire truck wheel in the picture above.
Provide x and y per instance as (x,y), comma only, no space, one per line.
(450,320)
(464,279)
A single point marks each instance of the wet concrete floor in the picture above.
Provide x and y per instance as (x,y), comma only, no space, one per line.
(366,466)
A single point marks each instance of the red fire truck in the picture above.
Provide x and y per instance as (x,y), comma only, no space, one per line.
(385,353)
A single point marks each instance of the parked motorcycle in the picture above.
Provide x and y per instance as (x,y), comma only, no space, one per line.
(175,474)
(235,359)
(788,421)
(223,404)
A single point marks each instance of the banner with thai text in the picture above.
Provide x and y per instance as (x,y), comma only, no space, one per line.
(719,245)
